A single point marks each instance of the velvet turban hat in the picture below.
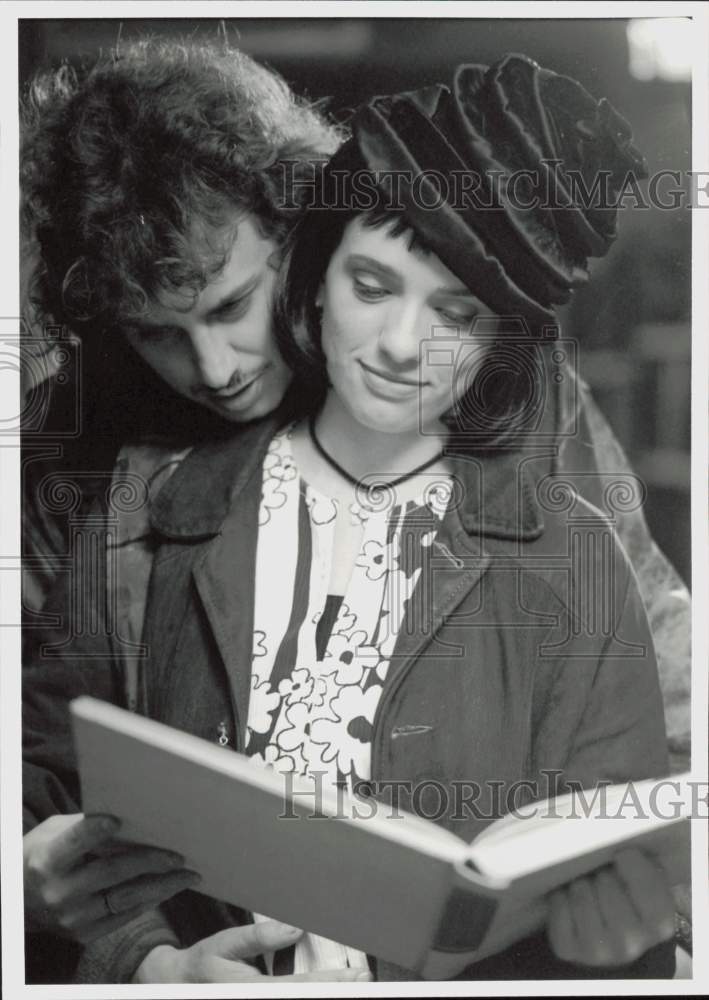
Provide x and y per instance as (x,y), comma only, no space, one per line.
(511,177)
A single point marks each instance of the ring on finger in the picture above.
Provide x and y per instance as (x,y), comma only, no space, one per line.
(109,905)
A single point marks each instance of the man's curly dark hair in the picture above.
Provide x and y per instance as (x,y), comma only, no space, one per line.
(134,173)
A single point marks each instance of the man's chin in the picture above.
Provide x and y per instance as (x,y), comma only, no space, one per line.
(245,417)
(257,411)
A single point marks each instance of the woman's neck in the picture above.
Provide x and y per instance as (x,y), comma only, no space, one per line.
(365,452)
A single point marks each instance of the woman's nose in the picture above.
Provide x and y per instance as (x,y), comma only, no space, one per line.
(402,333)
(211,355)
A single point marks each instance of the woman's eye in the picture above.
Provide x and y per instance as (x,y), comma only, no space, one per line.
(369,291)
(462,319)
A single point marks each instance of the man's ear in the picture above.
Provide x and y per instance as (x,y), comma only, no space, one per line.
(319,296)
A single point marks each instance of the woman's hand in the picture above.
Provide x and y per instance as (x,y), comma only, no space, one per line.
(220,959)
(613,916)
(82,898)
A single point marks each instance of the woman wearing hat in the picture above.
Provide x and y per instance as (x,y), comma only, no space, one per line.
(384,591)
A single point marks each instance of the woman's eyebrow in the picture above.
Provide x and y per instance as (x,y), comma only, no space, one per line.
(455,291)
(372,264)
(378,266)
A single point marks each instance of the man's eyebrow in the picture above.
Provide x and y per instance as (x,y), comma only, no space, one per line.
(145,327)
(229,298)
(234,294)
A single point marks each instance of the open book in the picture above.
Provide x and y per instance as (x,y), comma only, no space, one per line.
(393,885)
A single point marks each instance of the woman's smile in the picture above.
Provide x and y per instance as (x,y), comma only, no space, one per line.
(388,385)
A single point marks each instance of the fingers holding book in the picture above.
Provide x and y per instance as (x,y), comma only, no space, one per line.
(225,957)
(613,916)
(81,883)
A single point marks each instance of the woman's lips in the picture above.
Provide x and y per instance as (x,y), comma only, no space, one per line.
(389,386)
(390,377)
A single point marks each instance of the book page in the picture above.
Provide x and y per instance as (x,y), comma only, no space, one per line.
(594,823)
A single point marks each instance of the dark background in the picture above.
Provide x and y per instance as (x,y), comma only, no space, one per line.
(633,320)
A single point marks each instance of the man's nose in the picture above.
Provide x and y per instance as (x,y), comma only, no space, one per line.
(211,354)
(401,334)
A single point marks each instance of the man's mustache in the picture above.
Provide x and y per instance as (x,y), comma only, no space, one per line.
(237,381)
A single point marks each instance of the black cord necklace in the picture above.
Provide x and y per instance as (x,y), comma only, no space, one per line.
(358,482)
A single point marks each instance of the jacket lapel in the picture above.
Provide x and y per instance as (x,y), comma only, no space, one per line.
(492,498)
(224,577)
(215,495)
(453,567)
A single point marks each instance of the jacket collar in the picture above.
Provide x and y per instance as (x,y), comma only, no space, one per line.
(497,497)
(196,499)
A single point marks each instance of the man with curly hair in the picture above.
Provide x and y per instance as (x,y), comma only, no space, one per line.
(155,208)
(155,202)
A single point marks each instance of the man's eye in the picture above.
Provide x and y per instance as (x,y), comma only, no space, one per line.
(156,334)
(368,291)
(231,311)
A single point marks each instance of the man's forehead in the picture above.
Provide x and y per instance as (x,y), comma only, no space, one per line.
(247,254)
(181,300)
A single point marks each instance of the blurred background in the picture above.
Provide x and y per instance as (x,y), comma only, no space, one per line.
(633,321)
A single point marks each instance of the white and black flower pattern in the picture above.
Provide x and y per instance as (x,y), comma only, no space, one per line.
(278,469)
(316,715)
(346,739)
(376,559)
(298,687)
(351,655)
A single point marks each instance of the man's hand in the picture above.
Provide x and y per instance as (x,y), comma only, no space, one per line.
(220,959)
(82,898)
(613,916)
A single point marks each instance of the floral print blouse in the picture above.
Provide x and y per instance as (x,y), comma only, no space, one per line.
(310,713)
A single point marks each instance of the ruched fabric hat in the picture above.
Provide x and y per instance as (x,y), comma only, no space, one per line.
(507,177)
